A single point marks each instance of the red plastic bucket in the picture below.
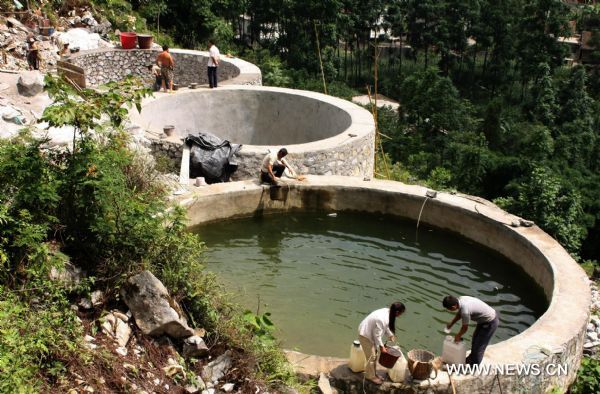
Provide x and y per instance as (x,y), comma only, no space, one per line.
(389,359)
(128,40)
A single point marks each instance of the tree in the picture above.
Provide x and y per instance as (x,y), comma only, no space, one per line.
(545,199)
(576,138)
(543,106)
(421,18)
(542,22)
(432,104)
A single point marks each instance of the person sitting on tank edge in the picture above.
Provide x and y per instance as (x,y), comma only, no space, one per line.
(471,308)
(370,331)
(273,166)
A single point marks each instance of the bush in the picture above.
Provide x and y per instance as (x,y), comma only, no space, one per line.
(588,377)
(103,204)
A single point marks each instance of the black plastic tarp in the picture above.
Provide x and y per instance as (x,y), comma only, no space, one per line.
(211,157)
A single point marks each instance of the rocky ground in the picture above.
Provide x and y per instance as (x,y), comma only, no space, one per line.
(591,345)
(139,340)
(142,343)
(22,103)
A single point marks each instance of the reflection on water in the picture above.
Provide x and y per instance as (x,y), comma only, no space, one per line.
(320,275)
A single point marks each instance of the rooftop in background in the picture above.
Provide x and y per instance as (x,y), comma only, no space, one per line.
(382,101)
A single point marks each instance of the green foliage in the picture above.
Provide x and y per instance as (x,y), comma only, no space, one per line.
(544,107)
(34,338)
(440,179)
(431,103)
(588,377)
(103,204)
(545,199)
(555,390)
(589,267)
(260,325)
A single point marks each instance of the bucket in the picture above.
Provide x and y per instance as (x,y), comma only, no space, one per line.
(128,40)
(145,41)
(388,359)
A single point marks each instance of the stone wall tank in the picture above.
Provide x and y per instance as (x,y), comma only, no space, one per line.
(110,64)
(324,135)
(555,339)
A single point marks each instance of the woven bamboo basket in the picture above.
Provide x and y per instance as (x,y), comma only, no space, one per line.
(420,363)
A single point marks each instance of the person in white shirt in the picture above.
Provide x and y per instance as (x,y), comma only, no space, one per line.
(273,166)
(213,63)
(370,332)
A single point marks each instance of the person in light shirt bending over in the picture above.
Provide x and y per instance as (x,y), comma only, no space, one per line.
(370,332)
(467,309)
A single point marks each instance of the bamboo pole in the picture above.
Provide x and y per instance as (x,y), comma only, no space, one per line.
(320,59)
(378,142)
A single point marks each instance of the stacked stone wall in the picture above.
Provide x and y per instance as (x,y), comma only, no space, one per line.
(109,64)
(354,158)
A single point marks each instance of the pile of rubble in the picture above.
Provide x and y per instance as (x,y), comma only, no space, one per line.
(79,29)
(151,320)
(592,337)
(83,17)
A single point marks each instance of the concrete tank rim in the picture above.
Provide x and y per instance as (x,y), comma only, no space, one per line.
(361,120)
(561,325)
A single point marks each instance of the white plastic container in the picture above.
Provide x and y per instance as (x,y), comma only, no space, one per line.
(399,372)
(452,352)
(357,357)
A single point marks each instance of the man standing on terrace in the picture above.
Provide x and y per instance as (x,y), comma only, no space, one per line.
(167,65)
(213,63)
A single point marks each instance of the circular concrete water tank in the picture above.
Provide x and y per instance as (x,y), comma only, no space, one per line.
(554,343)
(324,135)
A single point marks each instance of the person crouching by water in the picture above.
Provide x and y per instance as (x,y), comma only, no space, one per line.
(471,308)
(273,166)
(370,333)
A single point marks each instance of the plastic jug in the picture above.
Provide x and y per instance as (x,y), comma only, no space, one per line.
(399,372)
(357,358)
(452,352)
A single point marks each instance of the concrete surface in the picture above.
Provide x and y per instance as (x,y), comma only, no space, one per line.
(255,116)
(560,329)
(324,135)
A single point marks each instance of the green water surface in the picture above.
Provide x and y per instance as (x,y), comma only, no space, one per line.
(320,275)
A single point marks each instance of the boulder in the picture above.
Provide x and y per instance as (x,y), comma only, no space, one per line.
(324,385)
(69,275)
(30,83)
(83,39)
(194,346)
(217,368)
(152,307)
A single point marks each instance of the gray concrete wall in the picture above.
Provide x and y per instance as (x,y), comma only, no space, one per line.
(561,329)
(111,64)
(249,117)
(324,135)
